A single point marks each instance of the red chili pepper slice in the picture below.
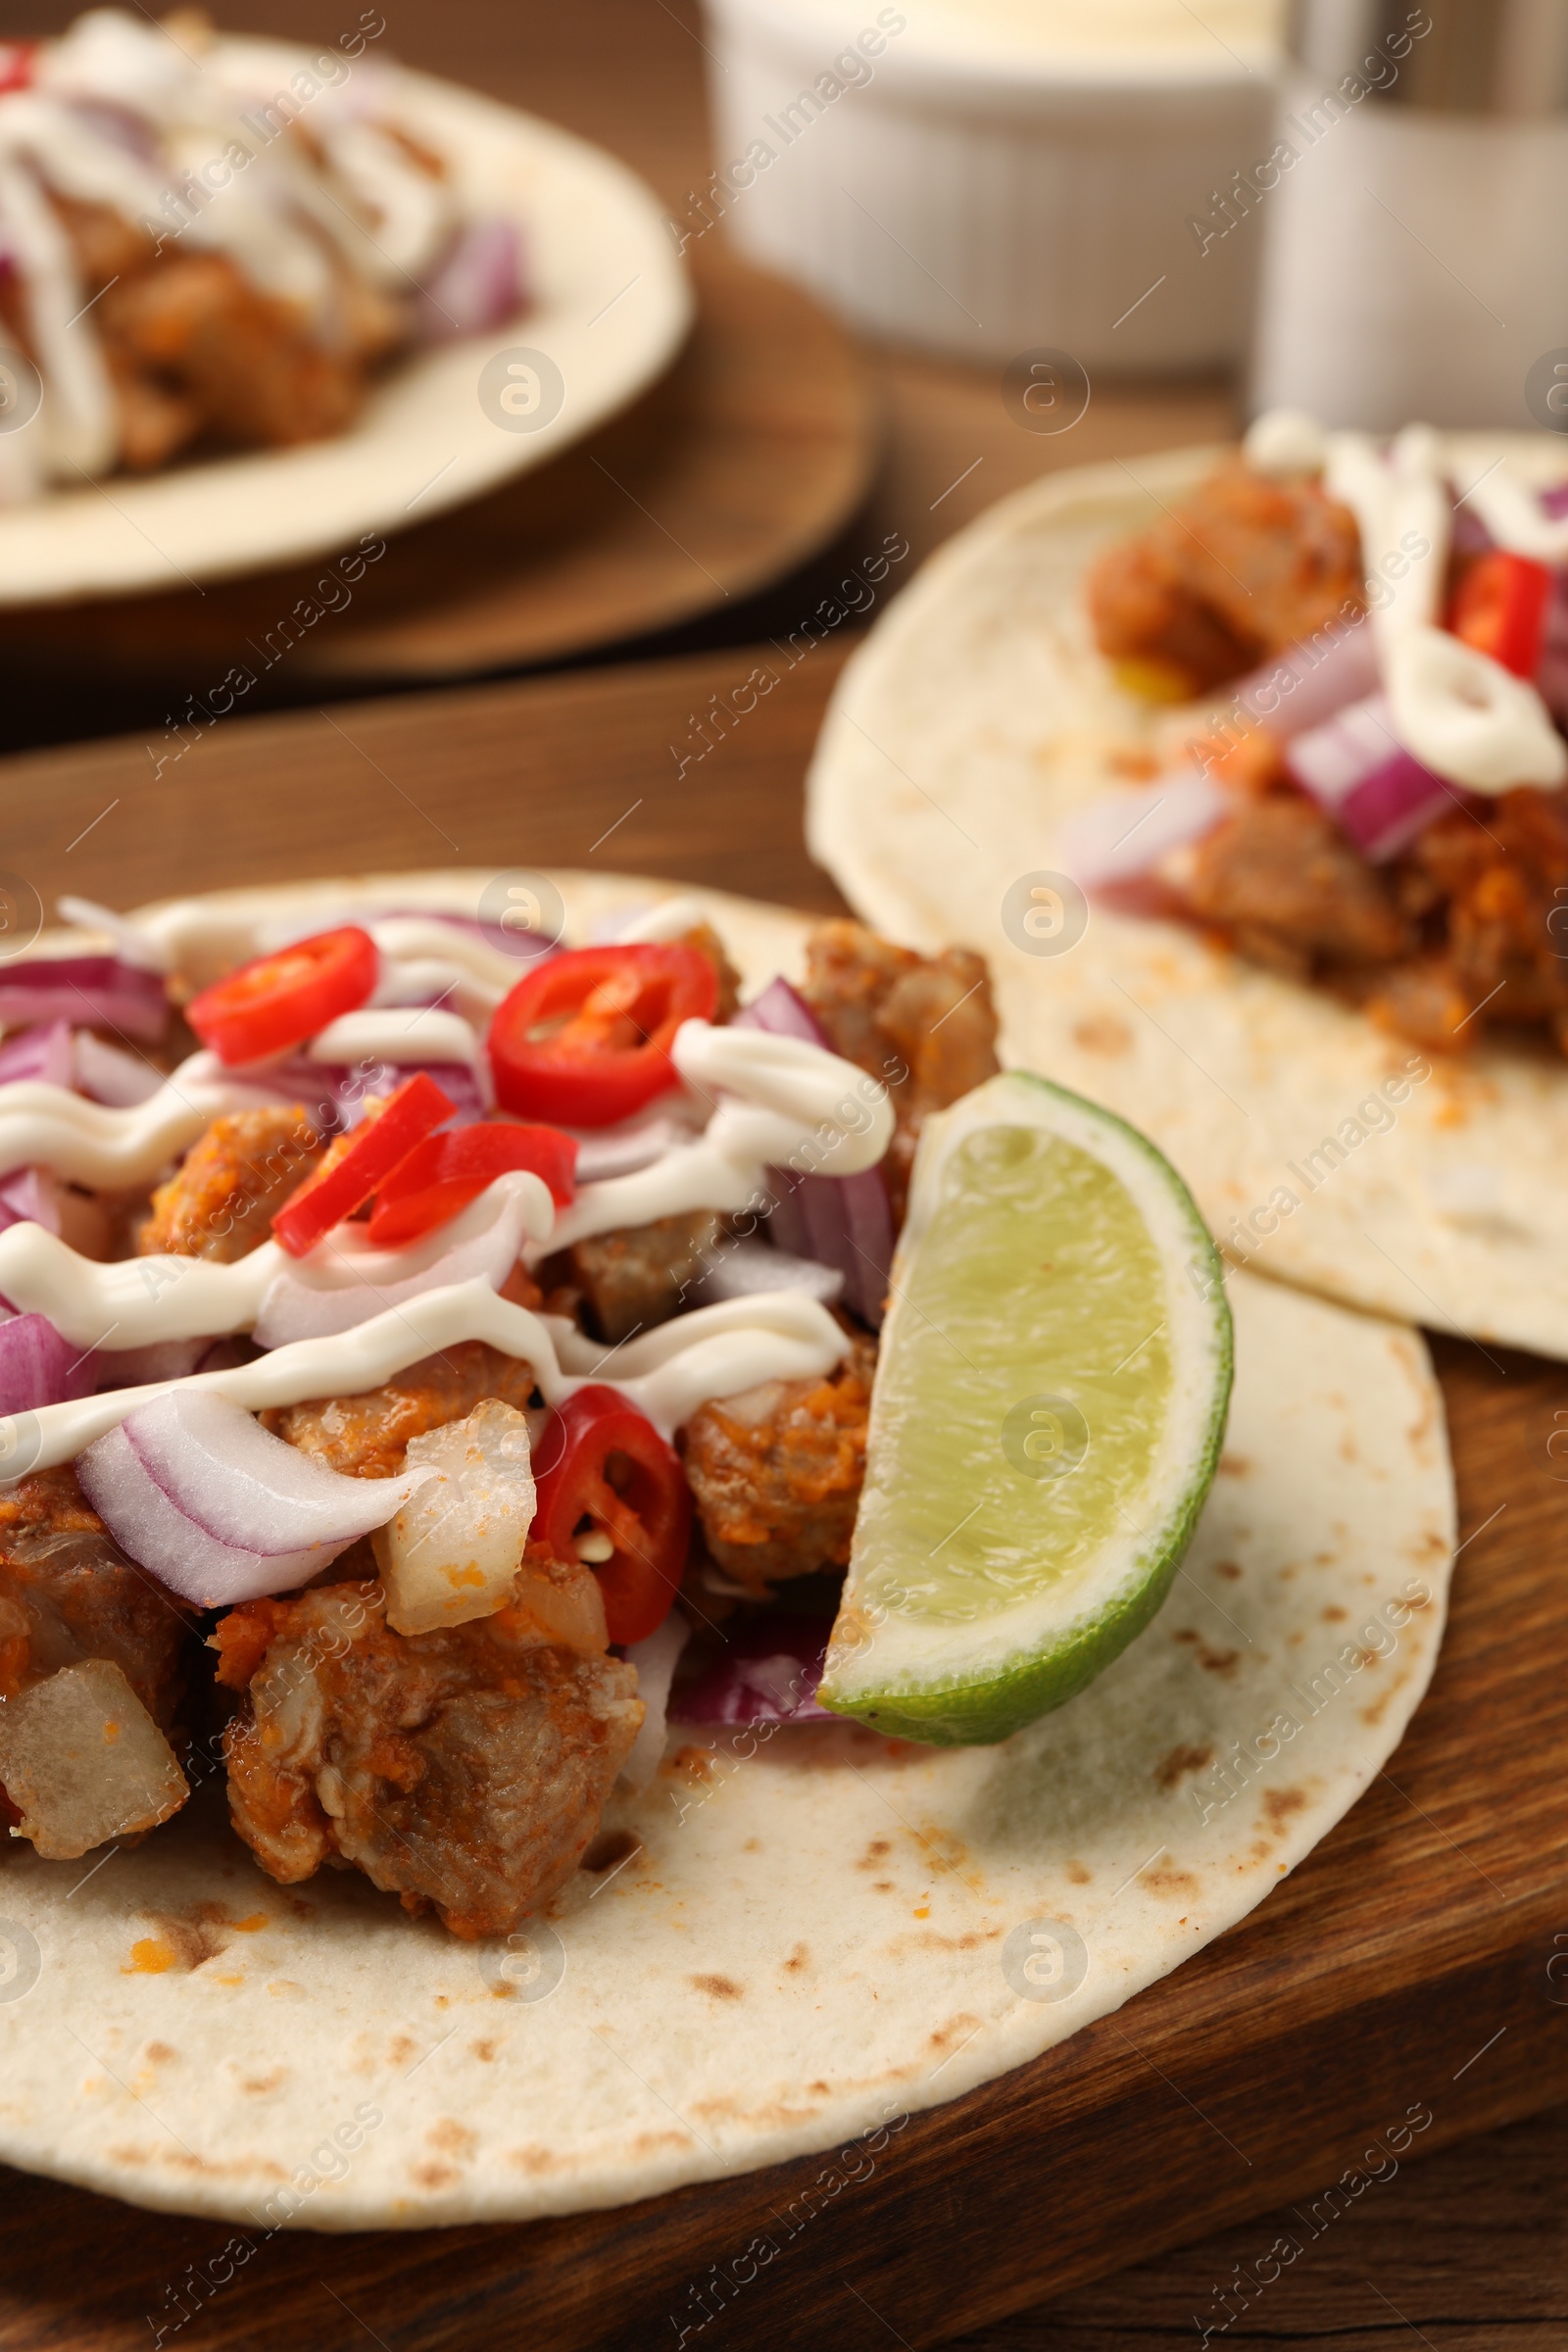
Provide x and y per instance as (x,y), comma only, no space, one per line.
(1500,606)
(279,1001)
(608,1465)
(17,65)
(444,1173)
(585,1037)
(358,1164)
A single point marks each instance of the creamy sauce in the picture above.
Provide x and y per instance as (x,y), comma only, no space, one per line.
(1459,712)
(1058,27)
(401,1034)
(92,1143)
(717,1352)
(781,1099)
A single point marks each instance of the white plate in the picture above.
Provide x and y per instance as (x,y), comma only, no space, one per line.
(612,307)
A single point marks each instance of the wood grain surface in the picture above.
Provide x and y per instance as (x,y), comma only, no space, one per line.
(1404,1967)
(744,461)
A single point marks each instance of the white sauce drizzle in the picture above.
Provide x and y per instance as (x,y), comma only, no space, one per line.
(717,1352)
(1459,712)
(398,1033)
(89,1142)
(781,1101)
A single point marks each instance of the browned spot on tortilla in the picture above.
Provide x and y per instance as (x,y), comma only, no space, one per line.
(533,2160)
(1078,1875)
(752,1845)
(1280,1803)
(184,1940)
(1347,1448)
(186,2160)
(1214,1661)
(1334,1614)
(1102,1033)
(1182,1760)
(1378,1709)
(1261,1851)
(798,1959)
(873,1853)
(1137,761)
(404,2047)
(483,2050)
(1235,1465)
(434,2175)
(881,1885)
(721,1989)
(820,2087)
(956,2028)
(696,1763)
(260,2085)
(614,1845)
(1168,1881)
(646,2143)
(1226,1568)
(159,2053)
(453,2139)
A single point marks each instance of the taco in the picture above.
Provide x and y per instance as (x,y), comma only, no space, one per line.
(1246,771)
(451,1412)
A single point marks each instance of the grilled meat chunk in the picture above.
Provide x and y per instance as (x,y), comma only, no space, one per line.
(465,1769)
(1243,568)
(68,1592)
(777,1472)
(705,939)
(1279,878)
(634,1277)
(367,1435)
(924,1024)
(219,1201)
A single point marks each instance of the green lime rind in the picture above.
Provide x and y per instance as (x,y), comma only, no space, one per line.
(883,1669)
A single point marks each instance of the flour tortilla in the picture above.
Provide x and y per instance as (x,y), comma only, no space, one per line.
(804,1951)
(977,717)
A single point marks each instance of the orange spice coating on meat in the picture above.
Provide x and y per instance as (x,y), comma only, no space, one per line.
(367,1435)
(465,1769)
(777,1472)
(219,1201)
(925,1025)
(1242,568)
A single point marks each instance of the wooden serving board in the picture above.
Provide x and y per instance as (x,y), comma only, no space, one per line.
(743,463)
(1414,1965)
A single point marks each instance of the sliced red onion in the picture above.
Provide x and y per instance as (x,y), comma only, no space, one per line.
(142,1367)
(768,1674)
(343,1282)
(1555,502)
(1309,682)
(479,283)
(109,1074)
(623,1149)
(844,1222)
(1113,846)
(1361,775)
(655,1660)
(30,1197)
(43,1052)
(202,1497)
(334,1092)
(84,989)
(39,1366)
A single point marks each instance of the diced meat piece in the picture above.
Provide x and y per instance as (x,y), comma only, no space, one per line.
(925,1025)
(219,1202)
(196,325)
(465,1769)
(68,1592)
(1496,889)
(636,1277)
(365,1436)
(705,939)
(1281,880)
(777,1472)
(1246,567)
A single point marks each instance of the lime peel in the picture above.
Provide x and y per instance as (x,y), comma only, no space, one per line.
(1050,1404)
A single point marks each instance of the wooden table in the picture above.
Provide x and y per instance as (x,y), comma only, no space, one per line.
(1407,1961)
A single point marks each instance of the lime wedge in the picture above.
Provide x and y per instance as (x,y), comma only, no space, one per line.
(1049,1409)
